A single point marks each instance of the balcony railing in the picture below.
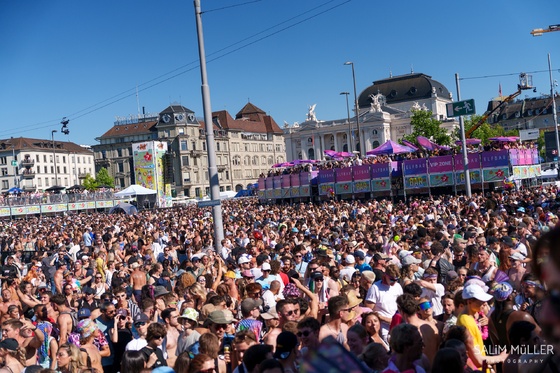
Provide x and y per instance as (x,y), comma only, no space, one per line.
(27,162)
(28,174)
(45,198)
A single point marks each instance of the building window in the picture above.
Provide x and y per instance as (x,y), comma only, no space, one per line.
(184,146)
(5,184)
(44,158)
(45,168)
(217,146)
(63,159)
(120,166)
(65,169)
(236,161)
(37,157)
(185,160)
(52,169)
(3,160)
(278,147)
(119,152)
(47,182)
(227,175)
(39,182)
(104,156)
(197,192)
(4,171)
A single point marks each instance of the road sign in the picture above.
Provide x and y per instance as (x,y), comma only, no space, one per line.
(14,163)
(456,109)
(209,203)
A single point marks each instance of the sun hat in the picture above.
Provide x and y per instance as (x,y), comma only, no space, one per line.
(502,291)
(221,317)
(271,314)
(190,314)
(86,328)
(475,291)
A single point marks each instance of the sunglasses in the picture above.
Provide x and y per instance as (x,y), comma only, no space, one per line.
(393,279)
(305,333)
(292,312)
(425,306)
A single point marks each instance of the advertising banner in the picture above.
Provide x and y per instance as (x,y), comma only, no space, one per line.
(344,188)
(294,191)
(476,177)
(104,204)
(90,204)
(20,210)
(443,179)
(474,161)
(494,159)
(77,206)
(305,191)
(326,189)
(294,180)
(269,183)
(491,175)
(285,181)
(269,194)
(148,168)
(5,211)
(285,193)
(361,172)
(326,176)
(343,175)
(261,194)
(379,185)
(362,186)
(415,167)
(514,157)
(277,182)
(262,183)
(277,193)
(33,209)
(437,165)
(535,156)
(380,170)
(416,181)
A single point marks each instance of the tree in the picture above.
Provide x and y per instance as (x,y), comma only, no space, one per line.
(423,124)
(89,183)
(485,131)
(103,178)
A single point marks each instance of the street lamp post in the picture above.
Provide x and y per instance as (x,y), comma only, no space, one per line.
(54,158)
(349,123)
(14,163)
(360,143)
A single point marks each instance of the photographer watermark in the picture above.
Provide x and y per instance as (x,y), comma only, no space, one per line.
(519,354)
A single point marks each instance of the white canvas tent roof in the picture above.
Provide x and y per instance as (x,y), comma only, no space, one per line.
(135,190)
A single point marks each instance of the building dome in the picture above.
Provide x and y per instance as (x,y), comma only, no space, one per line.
(411,87)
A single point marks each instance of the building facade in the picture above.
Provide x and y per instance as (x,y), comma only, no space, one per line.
(37,164)
(524,114)
(246,147)
(385,109)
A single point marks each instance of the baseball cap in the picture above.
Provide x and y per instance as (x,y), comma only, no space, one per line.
(521,209)
(475,291)
(380,256)
(84,313)
(271,314)
(244,259)
(249,304)
(141,317)
(9,344)
(265,266)
(508,241)
(247,273)
(502,291)
(285,343)
(230,274)
(359,254)
(517,256)
(404,253)
(409,259)
(350,259)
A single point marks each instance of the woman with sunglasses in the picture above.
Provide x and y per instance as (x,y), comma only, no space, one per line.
(152,352)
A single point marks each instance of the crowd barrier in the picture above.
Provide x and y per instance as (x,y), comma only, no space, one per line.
(415,174)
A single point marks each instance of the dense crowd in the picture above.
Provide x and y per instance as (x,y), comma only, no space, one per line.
(429,284)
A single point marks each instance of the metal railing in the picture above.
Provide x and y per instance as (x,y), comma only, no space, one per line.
(45,198)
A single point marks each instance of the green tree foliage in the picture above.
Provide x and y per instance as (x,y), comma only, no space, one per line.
(104,179)
(424,124)
(540,144)
(485,131)
(89,182)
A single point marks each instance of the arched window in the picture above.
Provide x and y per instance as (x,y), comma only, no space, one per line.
(246,160)
(270,160)
(310,153)
(263,159)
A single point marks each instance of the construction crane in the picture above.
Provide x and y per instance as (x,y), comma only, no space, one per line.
(525,82)
(540,31)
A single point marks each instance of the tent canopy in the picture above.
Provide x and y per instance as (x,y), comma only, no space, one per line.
(135,190)
(390,147)
(126,207)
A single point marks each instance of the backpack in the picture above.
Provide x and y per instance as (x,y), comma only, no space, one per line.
(74,316)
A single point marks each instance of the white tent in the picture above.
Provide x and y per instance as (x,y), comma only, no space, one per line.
(135,190)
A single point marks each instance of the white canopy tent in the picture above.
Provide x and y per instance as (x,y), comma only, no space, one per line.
(135,190)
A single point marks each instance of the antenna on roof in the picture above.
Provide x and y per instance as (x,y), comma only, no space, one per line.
(390,73)
(411,69)
(248,99)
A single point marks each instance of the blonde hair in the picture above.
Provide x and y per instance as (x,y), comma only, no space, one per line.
(74,354)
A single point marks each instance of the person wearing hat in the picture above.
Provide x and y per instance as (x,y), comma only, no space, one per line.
(218,322)
(517,271)
(265,279)
(189,337)
(90,355)
(88,301)
(432,290)
(361,264)
(9,353)
(348,270)
(286,351)
(475,296)
(380,261)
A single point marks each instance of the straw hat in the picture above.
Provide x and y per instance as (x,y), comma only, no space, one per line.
(353,299)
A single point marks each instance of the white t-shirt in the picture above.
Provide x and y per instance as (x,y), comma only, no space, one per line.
(435,298)
(385,299)
(136,344)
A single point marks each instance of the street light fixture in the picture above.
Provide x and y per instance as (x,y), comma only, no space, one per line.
(359,145)
(349,123)
(54,158)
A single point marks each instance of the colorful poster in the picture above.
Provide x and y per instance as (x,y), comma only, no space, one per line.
(343,188)
(415,167)
(305,191)
(361,172)
(443,179)
(443,164)
(294,191)
(362,186)
(343,174)
(20,210)
(475,176)
(262,183)
(494,159)
(514,157)
(47,208)
(304,178)
(148,168)
(277,182)
(378,185)
(294,180)
(326,176)
(326,189)
(90,205)
(415,182)
(491,175)
(5,211)
(33,209)
(380,170)
(473,158)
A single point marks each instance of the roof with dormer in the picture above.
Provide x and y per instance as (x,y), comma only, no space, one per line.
(28,144)
(402,88)
(134,129)
(172,109)
(249,119)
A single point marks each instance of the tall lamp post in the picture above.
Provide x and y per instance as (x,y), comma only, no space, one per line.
(54,158)
(360,143)
(14,163)
(349,123)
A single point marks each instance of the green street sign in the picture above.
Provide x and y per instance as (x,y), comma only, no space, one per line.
(14,163)
(456,109)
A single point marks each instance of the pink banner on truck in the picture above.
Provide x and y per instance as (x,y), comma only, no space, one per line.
(285,181)
(474,161)
(380,170)
(277,182)
(269,182)
(326,176)
(262,183)
(343,174)
(361,172)
(294,180)
(441,164)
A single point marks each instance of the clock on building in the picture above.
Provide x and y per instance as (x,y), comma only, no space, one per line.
(166,118)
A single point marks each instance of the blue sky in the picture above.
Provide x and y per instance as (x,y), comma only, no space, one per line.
(84,59)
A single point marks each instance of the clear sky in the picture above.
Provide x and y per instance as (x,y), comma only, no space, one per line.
(85,59)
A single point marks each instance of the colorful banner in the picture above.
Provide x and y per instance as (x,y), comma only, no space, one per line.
(90,205)
(34,209)
(285,193)
(491,175)
(294,180)
(474,161)
(294,191)
(380,170)
(326,189)
(5,211)
(443,179)
(535,156)
(305,191)
(304,178)
(277,182)
(20,210)
(343,188)
(104,204)
(379,185)
(415,167)
(285,181)
(415,182)
(343,175)
(475,175)
(326,176)
(494,159)
(362,186)
(148,169)
(269,183)
(361,172)
(262,183)
(441,164)
(277,193)
(527,172)
(269,193)
(261,194)
(514,157)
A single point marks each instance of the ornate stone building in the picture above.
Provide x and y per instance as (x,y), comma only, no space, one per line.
(384,114)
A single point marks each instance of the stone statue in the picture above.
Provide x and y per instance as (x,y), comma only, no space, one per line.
(377,101)
(311,113)
(415,106)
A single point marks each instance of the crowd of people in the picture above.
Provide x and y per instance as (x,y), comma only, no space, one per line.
(439,284)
